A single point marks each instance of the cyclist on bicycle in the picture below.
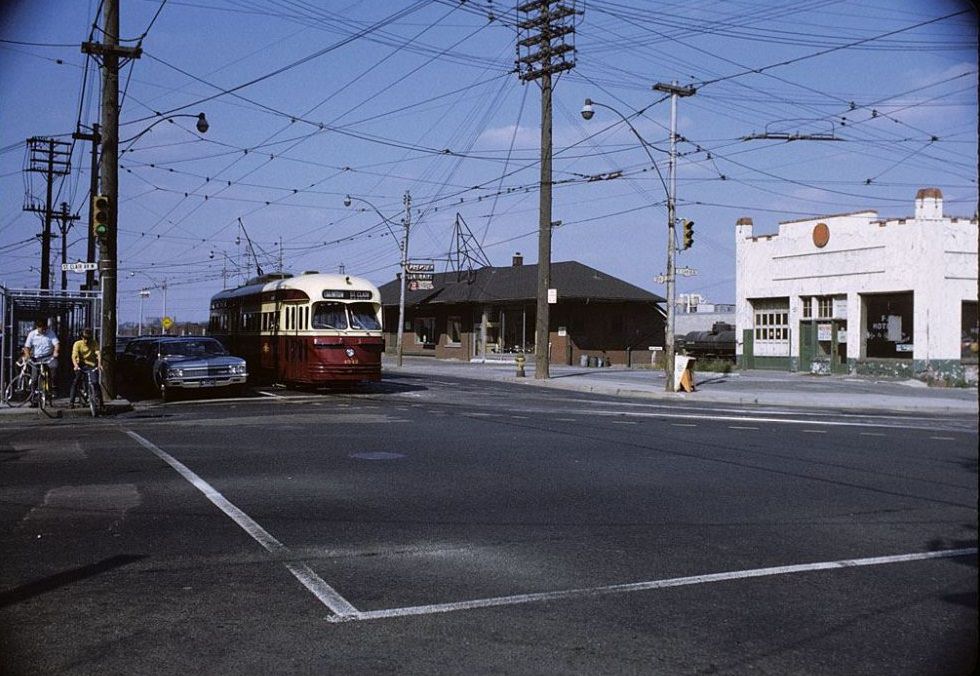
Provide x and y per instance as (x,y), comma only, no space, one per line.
(86,357)
(42,345)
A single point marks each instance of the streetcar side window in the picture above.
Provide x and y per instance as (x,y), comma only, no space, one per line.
(364,316)
(329,315)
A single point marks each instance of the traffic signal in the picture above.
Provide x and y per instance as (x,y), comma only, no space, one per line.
(688,233)
(100,215)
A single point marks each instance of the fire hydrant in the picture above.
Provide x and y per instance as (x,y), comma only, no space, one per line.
(519,360)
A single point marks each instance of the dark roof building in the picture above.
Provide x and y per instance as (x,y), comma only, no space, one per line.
(596,314)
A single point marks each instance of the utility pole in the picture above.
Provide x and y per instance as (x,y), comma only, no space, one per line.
(164,316)
(143,294)
(110,52)
(51,158)
(96,138)
(547,27)
(407,222)
(65,221)
(675,91)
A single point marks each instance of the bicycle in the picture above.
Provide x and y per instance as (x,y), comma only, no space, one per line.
(41,388)
(90,394)
(18,390)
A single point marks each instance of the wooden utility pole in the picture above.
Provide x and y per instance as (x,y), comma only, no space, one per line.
(110,53)
(675,91)
(51,158)
(65,221)
(96,138)
(546,49)
(407,223)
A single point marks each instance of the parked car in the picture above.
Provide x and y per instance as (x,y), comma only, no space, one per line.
(171,364)
(121,343)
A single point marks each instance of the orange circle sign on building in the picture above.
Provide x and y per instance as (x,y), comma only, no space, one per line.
(821,235)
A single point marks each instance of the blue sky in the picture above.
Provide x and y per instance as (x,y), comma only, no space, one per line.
(308,102)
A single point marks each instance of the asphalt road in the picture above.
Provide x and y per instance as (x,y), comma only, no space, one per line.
(455,526)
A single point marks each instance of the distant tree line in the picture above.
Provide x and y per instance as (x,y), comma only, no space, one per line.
(152,327)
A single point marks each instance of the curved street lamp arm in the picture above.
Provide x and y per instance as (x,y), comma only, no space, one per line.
(643,142)
(157,284)
(347,202)
(202,125)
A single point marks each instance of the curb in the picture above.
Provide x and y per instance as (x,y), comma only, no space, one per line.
(887,403)
(62,412)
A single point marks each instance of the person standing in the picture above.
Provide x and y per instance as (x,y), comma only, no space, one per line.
(42,346)
(86,358)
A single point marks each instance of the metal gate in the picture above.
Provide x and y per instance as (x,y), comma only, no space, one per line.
(67,312)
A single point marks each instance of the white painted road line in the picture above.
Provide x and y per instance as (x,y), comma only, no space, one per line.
(814,431)
(270,394)
(871,434)
(343,611)
(944,438)
(327,595)
(741,427)
(683,425)
(751,419)
(589,592)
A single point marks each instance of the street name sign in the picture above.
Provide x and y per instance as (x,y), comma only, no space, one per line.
(79,267)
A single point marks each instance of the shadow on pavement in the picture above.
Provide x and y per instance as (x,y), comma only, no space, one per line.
(64,578)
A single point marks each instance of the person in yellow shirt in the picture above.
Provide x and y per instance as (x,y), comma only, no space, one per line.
(86,357)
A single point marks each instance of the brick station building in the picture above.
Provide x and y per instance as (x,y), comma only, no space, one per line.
(596,315)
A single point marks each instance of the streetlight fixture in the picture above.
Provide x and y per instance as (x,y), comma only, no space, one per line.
(202,125)
(156,285)
(406,223)
(144,293)
(588,111)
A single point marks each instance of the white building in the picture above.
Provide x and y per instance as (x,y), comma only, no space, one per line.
(693,312)
(855,293)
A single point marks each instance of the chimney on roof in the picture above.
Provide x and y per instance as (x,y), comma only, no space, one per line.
(929,204)
(518,260)
(743,227)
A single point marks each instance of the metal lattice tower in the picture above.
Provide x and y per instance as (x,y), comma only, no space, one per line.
(466,250)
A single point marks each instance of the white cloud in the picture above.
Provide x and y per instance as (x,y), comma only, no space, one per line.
(500,137)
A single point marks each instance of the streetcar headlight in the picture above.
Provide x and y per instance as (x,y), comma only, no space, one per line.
(349,352)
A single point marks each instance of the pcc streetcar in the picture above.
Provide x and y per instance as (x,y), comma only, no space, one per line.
(310,329)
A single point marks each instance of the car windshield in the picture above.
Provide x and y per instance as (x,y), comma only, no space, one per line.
(364,316)
(192,348)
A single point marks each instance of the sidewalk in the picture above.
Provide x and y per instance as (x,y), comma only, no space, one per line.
(743,388)
(59,409)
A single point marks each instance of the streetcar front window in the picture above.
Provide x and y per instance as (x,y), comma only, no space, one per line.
(364,316)
(329,315)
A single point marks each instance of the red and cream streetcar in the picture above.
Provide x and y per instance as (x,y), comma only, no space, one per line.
(310,329)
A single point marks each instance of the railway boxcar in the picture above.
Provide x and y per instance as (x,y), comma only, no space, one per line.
(310,329)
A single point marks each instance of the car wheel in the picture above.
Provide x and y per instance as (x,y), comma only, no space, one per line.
(166,394)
